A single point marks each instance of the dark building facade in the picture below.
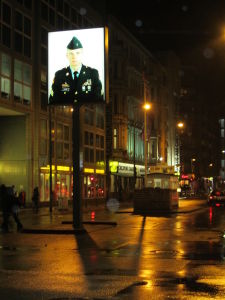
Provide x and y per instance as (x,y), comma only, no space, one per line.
(111,137)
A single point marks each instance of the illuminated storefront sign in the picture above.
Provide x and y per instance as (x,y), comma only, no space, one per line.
(99,171)
(88,170)
(162,169)
(58,168)
(113,166)
(126,169)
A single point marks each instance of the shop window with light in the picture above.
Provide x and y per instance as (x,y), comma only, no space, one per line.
(5,73)
(43,137)
(115,138)
(22,83)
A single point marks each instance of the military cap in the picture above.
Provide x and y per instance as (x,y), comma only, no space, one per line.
(74,44)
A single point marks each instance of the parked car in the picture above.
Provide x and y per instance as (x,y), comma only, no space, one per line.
(216,198)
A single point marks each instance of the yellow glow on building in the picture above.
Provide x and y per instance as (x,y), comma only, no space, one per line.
(99,171)
(88,170)
(59,168)
(63,168)
(47,168)
(113,166)
(100,163)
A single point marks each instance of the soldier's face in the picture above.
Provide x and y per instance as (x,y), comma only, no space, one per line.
(74,57)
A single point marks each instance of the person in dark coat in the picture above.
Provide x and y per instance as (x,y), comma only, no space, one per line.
(35,199)
(10,206)
(76,83)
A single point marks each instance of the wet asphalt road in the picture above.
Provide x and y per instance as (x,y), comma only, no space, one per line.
(177,256)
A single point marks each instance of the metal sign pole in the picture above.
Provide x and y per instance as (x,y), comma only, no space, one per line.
(77,207)
(50,159)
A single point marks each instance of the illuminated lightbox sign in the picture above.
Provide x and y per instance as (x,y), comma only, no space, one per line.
(77,66)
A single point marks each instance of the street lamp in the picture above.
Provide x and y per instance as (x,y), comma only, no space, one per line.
(146,107)
(180,126)
(192,164)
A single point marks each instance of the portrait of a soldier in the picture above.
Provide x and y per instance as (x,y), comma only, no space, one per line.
(77,82)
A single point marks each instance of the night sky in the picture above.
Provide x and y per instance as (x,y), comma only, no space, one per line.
(193,29)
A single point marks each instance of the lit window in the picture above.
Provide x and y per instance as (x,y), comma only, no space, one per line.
(115,138)
(22,82)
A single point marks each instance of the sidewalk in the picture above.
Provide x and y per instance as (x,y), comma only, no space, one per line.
(61,221)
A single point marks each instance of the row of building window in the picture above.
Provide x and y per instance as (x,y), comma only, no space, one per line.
(63,151)
(60,14)
(21,33)
(89,139)
(22,80)
(62,137)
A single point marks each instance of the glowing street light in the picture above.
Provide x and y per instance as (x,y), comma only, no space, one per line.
(180,124)
(180,127)
(146,107)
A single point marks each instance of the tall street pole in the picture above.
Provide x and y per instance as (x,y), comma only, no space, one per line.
(134,159)
(146,107)
(145,132)
(146,149)
(50,159)
(77,207)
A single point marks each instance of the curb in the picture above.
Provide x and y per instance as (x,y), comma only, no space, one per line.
(93,222)
(54,231)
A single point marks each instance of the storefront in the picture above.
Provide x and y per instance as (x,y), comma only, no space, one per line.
(61,182)
(93,183)
(122,178)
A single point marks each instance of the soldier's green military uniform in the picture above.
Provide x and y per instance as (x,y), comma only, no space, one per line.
(84,87)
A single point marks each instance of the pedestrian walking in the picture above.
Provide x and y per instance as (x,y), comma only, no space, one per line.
(10,206)
(22,197)
(35,199)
